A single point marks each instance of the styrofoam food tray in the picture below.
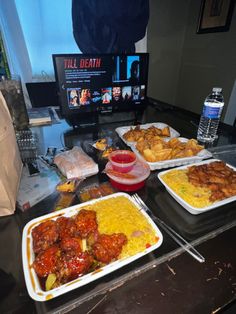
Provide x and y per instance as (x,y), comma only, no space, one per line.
(122,130)
(188,207)
(31,279)
(203,154)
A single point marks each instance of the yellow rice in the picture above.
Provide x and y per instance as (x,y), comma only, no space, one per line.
(119,214)
(177,180)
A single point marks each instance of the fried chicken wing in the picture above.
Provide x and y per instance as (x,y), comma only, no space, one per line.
(46,261)
(71,244)
(109,247)
(66,227)
(70,265)
(86,222)
(44,235)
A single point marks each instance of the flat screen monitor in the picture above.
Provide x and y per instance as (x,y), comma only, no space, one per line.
(90,84)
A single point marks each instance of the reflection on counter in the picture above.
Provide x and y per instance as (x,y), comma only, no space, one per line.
(95,191)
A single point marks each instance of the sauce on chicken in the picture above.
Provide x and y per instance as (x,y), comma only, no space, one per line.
(70,247)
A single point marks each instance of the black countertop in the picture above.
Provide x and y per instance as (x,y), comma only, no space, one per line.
(167,280)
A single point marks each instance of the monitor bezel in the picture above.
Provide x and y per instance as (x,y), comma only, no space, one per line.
(93,109)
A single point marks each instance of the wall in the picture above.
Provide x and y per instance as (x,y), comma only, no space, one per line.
(141,45)
(199,61)
(165,39)
(230,115)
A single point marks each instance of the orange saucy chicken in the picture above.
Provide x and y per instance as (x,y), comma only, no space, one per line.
(216,176)
(71,265)
(66,227)
(108,247)
(69,247)
(44,235)
(86,222)
(45,262)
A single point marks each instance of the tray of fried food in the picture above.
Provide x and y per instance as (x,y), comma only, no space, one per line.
(201,187)
(162,153)
(131,134)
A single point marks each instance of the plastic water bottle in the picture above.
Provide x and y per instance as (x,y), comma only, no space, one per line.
(210,116)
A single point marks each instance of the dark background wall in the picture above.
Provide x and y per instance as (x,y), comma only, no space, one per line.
(184,65)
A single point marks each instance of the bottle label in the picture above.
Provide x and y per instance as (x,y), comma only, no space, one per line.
(211,112)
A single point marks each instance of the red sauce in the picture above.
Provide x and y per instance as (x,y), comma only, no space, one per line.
(127,187)
(123,158)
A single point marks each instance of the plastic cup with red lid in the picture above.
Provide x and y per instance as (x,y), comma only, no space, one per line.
(129,181)
(122,160)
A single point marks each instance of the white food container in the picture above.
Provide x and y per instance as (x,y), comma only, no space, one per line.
(32,282)
(191,209)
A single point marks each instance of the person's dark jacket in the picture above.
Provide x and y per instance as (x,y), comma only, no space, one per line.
(109,26)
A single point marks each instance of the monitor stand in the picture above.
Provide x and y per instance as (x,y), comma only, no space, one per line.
(83,121)
(93,120)
(116,117)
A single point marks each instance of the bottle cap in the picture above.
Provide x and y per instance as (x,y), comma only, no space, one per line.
(217,89)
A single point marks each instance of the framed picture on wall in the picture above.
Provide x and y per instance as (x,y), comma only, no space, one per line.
(215,16)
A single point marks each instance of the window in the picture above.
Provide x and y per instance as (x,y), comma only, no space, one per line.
(32,32)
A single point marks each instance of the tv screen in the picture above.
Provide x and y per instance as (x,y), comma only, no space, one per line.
(101,83)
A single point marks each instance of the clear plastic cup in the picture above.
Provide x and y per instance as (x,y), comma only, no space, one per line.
(122,160)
